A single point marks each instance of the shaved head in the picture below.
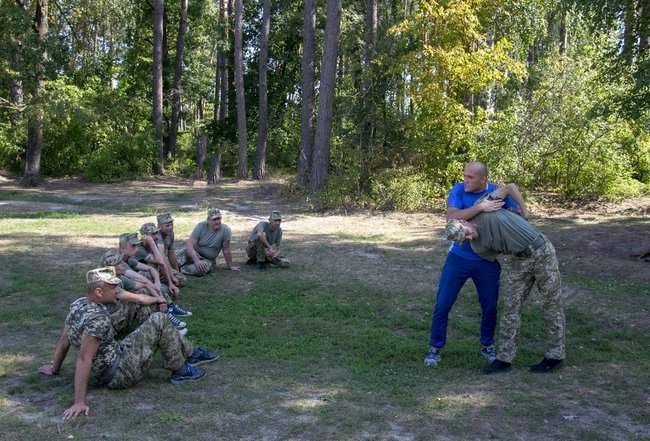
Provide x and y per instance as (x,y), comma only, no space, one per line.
(477,167)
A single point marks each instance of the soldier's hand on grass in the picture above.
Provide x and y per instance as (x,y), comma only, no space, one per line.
(47,370)
(488,205)
(75,410)
(202,266)
(173,289)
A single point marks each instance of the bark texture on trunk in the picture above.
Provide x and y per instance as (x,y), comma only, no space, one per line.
(260,152)
(178,73)
(239,88)
(321,158)
(34,148)
(307,118)
(157,81)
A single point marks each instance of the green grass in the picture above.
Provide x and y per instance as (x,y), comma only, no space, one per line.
(313,354)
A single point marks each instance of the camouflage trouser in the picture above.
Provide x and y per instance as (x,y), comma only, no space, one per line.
(182,280)
(540,269)
(257,252)
(139,347)
(126,314)
(187,266)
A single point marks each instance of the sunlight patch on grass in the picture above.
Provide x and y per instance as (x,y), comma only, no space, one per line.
(457,404)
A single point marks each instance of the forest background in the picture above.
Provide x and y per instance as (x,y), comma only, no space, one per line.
(371,103)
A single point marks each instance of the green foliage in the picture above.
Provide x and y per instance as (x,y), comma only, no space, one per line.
(405,190)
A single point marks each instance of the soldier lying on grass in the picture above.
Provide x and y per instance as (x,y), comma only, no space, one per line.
(104,361)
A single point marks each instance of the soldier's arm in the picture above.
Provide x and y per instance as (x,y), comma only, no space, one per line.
(87,351)
(227,255)
(140,299)
(171,255)
(486,205)
(512,191)
(60,352)
(261,235)
(152,271)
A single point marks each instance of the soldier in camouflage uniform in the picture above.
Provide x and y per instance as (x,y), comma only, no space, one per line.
(151,252)
(134,282)
(204,245)
(534,262)
(264,243)
(104,361)
(166,238)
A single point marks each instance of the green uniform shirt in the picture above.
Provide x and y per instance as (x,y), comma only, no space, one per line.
(502,232)
(208,242)
(273,237)
(92,319)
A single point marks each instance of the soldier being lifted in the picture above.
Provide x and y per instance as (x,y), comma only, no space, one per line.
(503,232)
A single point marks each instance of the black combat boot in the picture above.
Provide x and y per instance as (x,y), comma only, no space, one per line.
(497,366)
(547,365)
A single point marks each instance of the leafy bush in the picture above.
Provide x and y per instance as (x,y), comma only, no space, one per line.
(405,190)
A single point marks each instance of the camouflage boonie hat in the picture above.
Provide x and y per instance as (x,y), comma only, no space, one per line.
(111,258)
(131,238)
(214,213)
(148,228)
(164,218)
(106,275)
(455,230)
(275,215)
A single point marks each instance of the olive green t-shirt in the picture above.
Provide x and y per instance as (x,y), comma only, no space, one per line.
(273,237)
(208,242)
(502,232)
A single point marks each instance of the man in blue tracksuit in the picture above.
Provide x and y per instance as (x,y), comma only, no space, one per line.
(462,264)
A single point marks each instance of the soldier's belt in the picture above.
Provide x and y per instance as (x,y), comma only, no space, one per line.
(528,251)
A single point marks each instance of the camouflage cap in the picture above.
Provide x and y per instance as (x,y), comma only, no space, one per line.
(112,258)
(106,275)
(455,230)
(148,228)
(164,218)
(214,213)
(275,215)
(131,238)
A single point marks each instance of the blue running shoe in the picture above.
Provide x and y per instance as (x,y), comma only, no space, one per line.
(186,374)
(432,358)
(178,324)
(489,352)
(178,311)
(201,356)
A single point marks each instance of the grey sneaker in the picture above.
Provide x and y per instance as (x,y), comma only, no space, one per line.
(432,358)
(489,353)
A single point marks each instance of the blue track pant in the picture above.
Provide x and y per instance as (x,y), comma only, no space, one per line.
(455,273)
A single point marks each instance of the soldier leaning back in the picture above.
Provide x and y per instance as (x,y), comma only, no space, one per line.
(534,262)
(104,361)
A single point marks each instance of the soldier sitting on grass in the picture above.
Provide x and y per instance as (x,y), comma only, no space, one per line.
(264,243)
(104,361)
(535,262)
(165,241)
(204,245)
(131,268)
(149,252)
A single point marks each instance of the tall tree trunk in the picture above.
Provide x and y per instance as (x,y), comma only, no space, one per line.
(629,30)
(260,151)
(307,119)
(214,173)
(32,176)
(201,152)
(643,27)
(320,163)
(159,9)
(564,34)
(225,58)
(17,94)
(239,88)
(178,72)
(367,126)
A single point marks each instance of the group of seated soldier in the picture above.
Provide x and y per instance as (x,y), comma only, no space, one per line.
(137,287)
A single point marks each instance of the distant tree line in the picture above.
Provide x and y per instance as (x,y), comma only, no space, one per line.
(374,102)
